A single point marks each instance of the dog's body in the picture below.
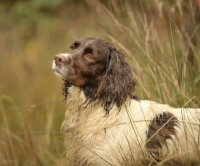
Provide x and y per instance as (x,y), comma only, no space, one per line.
(106,124)
(121,138)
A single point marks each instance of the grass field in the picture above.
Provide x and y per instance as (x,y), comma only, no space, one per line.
(153,36)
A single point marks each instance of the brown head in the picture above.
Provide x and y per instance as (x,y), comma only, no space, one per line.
(98,69)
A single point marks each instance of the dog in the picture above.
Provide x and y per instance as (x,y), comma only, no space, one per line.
(106,124)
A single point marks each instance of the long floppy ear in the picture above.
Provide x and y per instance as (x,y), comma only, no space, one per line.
(117,84)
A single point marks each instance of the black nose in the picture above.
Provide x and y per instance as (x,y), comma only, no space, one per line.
(60,59)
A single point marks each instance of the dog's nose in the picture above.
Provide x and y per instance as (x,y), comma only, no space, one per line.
(61,58)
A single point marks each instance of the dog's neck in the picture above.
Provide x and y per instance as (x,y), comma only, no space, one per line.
(76,95)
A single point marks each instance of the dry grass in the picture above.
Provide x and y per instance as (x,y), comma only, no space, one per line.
(150,34)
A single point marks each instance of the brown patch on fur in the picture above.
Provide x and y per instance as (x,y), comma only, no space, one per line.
(161,129)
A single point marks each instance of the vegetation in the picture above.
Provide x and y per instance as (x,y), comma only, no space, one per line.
(158,42)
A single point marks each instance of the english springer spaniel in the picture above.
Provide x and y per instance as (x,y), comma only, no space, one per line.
(106,124)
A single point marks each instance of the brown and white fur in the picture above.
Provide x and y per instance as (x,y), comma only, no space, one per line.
(106,124)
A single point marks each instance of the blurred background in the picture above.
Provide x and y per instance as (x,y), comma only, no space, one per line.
(159,39)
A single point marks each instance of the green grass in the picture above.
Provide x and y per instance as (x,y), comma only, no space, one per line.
(31,103)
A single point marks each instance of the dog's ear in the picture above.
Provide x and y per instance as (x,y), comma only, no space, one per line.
(117,84)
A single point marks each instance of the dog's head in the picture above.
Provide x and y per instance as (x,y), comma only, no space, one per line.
(99,69)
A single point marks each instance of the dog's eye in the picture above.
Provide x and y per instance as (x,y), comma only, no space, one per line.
(89,57)
(88,54)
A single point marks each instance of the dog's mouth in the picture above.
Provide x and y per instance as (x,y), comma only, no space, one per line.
(58,73)
(56,70)
(62,73)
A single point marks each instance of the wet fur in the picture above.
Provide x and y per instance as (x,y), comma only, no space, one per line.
(106,125)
